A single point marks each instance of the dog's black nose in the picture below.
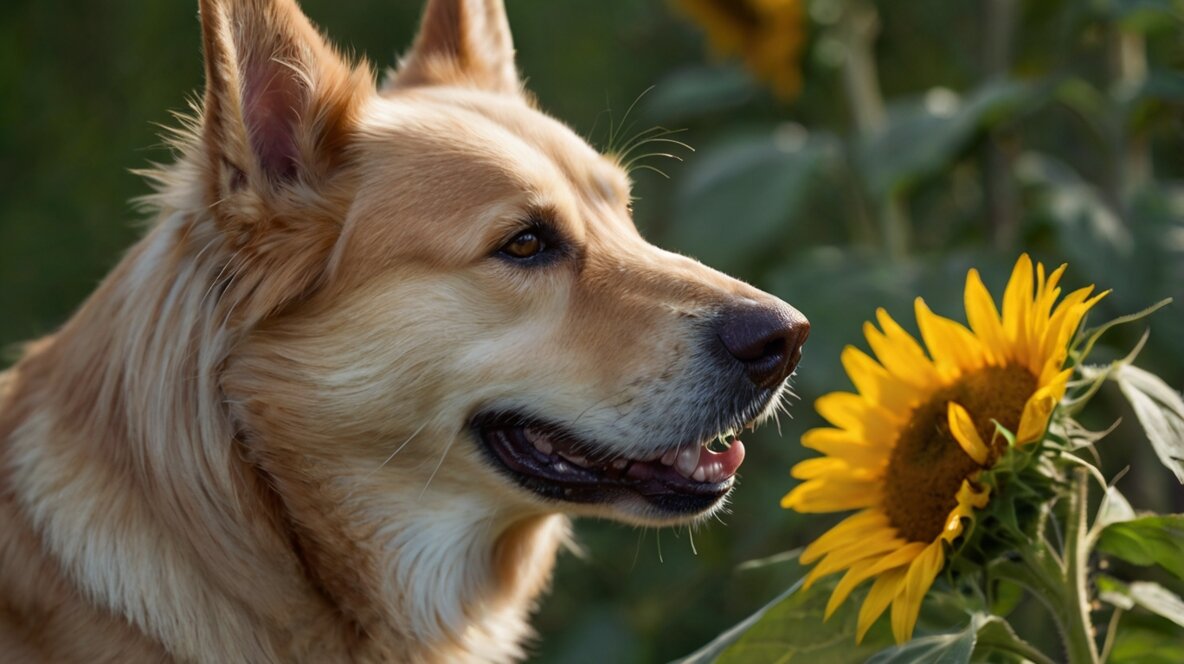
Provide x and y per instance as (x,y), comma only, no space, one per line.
(767,340)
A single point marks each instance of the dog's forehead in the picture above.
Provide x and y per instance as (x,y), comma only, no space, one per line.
(451,169)
(504,132)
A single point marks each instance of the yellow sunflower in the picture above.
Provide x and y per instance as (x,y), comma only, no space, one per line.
(907,448)
(767,34)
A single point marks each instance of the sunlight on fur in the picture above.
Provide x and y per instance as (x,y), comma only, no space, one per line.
(379,344)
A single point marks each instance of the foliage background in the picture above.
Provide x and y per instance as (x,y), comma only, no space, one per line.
(927,137)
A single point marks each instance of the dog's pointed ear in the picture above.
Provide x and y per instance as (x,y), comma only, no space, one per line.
(461,42)
(279,102)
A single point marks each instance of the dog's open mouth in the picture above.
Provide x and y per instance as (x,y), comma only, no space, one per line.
(552,462)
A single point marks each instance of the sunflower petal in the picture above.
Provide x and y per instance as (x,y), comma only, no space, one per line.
(1046,294)
(907,603)
(1017,300)
(905,555)
(876,384)
(899,352)
(858,573)
(883,590)
(984,317)
(969,499)
(962,426)
(1039,407)
(843,557)
(846,445)
(955,349)
(850,412)
(853,527)
(831,468)
(817,496)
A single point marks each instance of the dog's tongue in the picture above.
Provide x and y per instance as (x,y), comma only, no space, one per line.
(719,466)
(703,465)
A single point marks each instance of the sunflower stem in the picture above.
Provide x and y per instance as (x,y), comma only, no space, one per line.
(1076,626)
(1061,582)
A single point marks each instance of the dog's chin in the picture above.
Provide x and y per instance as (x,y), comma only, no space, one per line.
(675,484)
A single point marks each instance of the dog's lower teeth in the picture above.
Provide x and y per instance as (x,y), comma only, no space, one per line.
(576,459)
(688,458)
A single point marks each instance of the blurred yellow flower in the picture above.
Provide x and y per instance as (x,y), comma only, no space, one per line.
(767,34)
(907,448)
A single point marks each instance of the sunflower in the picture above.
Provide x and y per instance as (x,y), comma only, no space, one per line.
(767,34)
(907,448)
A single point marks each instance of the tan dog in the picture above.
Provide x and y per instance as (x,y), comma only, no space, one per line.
(339,402)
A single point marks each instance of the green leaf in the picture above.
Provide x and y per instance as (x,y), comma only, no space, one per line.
(1166,85)
(1145,644)
(1144,15)
(1089,337)
(996,635)
(712,650)
(923,135)
(1114,591)
(1114,509)
(1148,540)
(1088,228)
(1160,410)
(697,91)
(1151,596)
(1158,600)
(739,197)
(954,648)
(792,629)
(775,559)
(1007,597)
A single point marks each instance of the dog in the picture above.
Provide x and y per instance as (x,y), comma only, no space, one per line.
(380,344)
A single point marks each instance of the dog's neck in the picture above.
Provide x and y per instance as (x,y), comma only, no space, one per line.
(121,453)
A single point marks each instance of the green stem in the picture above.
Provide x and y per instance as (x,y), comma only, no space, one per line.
(858,28)
(1061,583)
(1076,626)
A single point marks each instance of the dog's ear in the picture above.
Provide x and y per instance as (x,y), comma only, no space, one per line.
(461,42)
(279,113)
(279,102)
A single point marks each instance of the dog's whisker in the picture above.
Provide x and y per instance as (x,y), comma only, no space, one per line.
(653,135)
(648,167)
(399,449)
(622,127)
(637,550)
(437,468)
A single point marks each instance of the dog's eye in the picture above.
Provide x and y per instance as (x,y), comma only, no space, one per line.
(524,245)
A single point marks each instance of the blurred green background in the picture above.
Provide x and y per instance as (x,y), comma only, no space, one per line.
(906,143)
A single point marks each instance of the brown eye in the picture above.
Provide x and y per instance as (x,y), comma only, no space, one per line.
(524,245)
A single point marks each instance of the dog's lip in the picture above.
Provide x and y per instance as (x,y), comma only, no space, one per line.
(548,459)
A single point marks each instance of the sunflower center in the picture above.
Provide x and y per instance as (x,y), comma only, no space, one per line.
(927,465)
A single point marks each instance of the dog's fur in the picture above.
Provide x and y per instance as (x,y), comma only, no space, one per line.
(252,442)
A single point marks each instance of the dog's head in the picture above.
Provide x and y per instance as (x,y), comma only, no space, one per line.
(446,291)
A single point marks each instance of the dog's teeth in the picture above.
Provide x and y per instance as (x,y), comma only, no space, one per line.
(688,458)
(700,475)
(620,464)
(576,459)
(669,458)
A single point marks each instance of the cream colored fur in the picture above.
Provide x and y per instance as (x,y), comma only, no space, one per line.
(251,443)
